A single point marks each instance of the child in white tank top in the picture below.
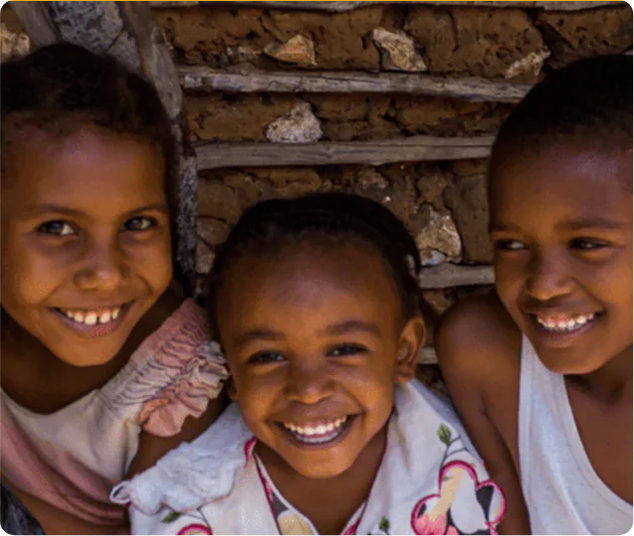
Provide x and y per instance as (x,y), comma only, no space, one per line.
(542,372)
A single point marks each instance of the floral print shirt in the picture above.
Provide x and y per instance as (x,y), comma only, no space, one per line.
(430,481)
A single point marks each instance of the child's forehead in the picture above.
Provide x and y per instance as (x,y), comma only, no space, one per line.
(562,182)
(68,171)
(586,166)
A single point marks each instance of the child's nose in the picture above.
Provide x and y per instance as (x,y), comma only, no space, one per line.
(309,384)
(104,268)
(548,277)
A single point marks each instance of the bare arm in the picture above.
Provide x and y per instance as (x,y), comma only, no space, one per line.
(479,360)
(56,521)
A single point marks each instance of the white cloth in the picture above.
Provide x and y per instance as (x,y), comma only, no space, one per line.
(563,492)
(212,485)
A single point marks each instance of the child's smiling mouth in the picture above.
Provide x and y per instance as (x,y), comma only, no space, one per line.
(560,327)
(318,433)
(95,322)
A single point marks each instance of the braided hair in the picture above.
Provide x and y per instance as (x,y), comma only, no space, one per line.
(324,218)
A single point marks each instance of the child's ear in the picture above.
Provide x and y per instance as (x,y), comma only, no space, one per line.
(411,342)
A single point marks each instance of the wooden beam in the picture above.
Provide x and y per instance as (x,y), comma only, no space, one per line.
(37,23)
(203,78)
(427,356)
(411,149)
(451,275)
(128,32)
(348,6)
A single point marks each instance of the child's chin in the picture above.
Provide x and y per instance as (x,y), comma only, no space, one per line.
(320,470)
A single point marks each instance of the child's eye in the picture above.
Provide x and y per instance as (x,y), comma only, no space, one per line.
(347,350)
(509,245)
(264,358)
(588,244)
(57,228)
(139,224)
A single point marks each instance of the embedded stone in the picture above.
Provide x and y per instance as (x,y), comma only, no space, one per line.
(398,51)
(530,64)
(438,240)
(297,126)
(298,50)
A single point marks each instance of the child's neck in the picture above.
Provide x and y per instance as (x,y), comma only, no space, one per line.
(329,503)
(28,366)
(612,383)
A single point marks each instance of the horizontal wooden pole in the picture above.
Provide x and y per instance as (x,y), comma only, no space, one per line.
(451,275)
(427,356)
(349,6)
(470,89)
(411,149)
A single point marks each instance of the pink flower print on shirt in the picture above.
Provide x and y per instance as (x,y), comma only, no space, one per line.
(433,513)
(195,528)
(463,504)
(424,525)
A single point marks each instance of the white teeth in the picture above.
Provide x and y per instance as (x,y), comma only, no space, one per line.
(565,325)
(91,318)
(319,430)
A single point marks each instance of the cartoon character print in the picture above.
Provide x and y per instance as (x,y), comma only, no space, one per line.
(463,504)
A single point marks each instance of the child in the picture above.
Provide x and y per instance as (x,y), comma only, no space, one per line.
(104,368)
(317,306)
(543,377)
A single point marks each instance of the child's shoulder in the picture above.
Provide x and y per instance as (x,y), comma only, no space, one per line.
(478,342)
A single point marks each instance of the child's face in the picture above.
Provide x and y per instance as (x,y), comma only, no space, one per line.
(315,341)
(561,220)
(85,240)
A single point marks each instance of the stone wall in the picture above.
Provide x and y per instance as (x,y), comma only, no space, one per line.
(443,203)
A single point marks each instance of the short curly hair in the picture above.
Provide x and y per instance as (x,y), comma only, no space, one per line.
(587,101)
(62,87)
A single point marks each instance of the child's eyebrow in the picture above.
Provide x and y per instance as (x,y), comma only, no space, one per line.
(262,334)
(257,334)
(351,326)
(593,222)
(36,210)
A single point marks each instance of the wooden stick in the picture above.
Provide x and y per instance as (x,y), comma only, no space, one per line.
(427,356)
(470,89)
(349,6)
(36,21)
(451,275)
(411,149)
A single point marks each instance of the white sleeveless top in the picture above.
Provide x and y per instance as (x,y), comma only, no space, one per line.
(563,492)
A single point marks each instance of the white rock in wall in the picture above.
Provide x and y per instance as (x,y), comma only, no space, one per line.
(398,51)
(299,50)
(297,126)
(439,241)
(204,257)
(13,44)
(529,64)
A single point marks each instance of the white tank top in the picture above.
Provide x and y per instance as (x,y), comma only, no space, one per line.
(563,492)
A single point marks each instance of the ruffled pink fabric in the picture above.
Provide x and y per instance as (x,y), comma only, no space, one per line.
(187,368)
